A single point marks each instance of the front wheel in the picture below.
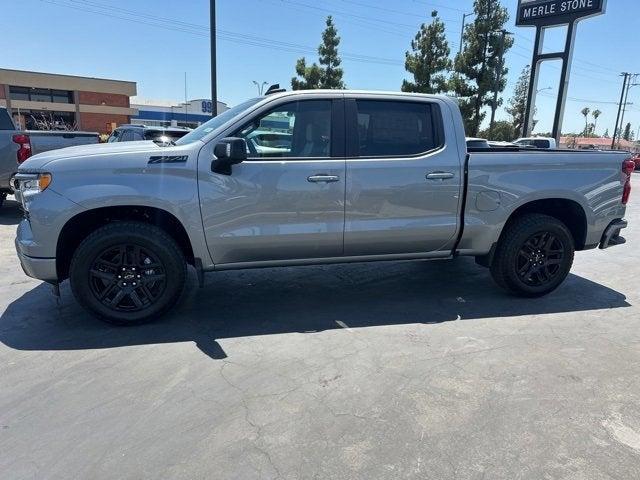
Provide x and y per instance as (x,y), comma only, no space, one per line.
(128,273)
(534,255)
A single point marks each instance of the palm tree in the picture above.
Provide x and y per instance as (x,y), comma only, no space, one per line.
(585,112)
(595,115)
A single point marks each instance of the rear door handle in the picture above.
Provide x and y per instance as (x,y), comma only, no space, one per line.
(439,175)
(323,178)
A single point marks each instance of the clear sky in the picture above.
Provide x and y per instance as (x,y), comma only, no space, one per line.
(154,42)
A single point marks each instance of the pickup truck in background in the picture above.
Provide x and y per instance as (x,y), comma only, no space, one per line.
(363,176)
(18,145)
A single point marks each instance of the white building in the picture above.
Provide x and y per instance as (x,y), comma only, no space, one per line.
(167,113)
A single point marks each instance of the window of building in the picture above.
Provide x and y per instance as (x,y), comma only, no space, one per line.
(40,94)
(390,128)
(62,96)
(19,93)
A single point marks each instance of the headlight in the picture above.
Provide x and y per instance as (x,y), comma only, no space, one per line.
(29,185)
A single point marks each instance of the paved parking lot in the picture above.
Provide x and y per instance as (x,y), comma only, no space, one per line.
(385,371)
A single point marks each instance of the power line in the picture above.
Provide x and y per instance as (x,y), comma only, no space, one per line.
(235,37)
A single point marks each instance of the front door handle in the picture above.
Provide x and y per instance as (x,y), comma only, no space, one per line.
(439,176)
(323,178)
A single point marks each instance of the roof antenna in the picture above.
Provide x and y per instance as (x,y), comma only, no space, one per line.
(275,88)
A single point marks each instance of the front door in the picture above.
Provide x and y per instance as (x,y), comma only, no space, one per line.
(286,201)
(403,178)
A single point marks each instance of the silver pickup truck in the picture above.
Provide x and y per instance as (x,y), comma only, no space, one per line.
(362,176)
(18,145)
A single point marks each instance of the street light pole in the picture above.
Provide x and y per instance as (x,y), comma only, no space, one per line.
(214,74)
(260,86)
(464,20)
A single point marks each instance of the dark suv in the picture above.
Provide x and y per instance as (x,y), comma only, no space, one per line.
(132,133)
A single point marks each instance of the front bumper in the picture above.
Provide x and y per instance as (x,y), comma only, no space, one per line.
(611,236)
(36,267)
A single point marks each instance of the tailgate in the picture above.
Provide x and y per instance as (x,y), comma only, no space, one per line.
(46,141)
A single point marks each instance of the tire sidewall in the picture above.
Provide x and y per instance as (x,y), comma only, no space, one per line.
(148,237)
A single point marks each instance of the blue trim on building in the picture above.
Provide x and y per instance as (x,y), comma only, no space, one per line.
(169,116)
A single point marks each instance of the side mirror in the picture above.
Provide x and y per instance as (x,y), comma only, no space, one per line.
(228,151)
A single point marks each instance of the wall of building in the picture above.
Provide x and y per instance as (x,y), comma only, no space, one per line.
(91,104)
(99,122)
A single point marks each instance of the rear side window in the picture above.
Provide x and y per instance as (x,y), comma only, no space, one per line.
(395,128)
(541,143)
(5,120)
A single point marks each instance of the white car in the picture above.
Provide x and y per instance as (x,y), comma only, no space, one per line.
(537,142)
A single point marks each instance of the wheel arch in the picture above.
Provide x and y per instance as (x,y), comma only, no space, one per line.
(568,211)
(79,226)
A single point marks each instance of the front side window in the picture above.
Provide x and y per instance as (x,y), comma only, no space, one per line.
(299,129)
(127,136)
(395,128)
(115,136)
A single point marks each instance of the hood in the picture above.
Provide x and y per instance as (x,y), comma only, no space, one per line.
(40,160)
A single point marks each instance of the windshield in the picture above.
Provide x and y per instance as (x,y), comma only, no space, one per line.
(216,122)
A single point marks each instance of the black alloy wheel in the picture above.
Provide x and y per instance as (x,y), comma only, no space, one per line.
(540,259)
(127,278)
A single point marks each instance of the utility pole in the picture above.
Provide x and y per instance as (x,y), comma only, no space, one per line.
(498,77)
(624,89)
(630,83)
(214,73)
(464,21)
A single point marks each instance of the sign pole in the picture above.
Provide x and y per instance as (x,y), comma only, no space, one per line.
(214,71)
(533,84)
(561,103)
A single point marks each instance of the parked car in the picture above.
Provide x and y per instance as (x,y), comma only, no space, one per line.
(132,133)
(537,142)
(477,143)
(18,145)
(367,177)
(636,160)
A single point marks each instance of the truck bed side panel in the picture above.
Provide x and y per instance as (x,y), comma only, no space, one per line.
(500,183)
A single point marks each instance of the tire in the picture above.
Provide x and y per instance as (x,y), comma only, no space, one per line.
(128,273)
(534,255)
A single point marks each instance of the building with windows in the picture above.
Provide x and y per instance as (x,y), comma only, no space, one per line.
(161,113)
(46,101)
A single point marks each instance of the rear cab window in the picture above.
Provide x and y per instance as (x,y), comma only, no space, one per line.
(395,128)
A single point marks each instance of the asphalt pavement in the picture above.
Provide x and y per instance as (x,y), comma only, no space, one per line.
(421,370)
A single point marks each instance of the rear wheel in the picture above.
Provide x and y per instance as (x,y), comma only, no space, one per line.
(128,273)
(534,255)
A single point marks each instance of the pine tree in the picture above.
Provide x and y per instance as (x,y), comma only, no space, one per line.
(428,61)
(518,103)
(478,64)
(627,132)
(606,133)
(326,75)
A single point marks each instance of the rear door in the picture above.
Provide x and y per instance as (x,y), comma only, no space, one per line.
(286,201)
(404,178)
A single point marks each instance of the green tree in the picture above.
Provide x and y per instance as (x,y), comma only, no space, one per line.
(478,66)
(627,134)
(326,75)
(606,133)
(585,113)
(595,114)
(428,60)
(518,103)
(503,131)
